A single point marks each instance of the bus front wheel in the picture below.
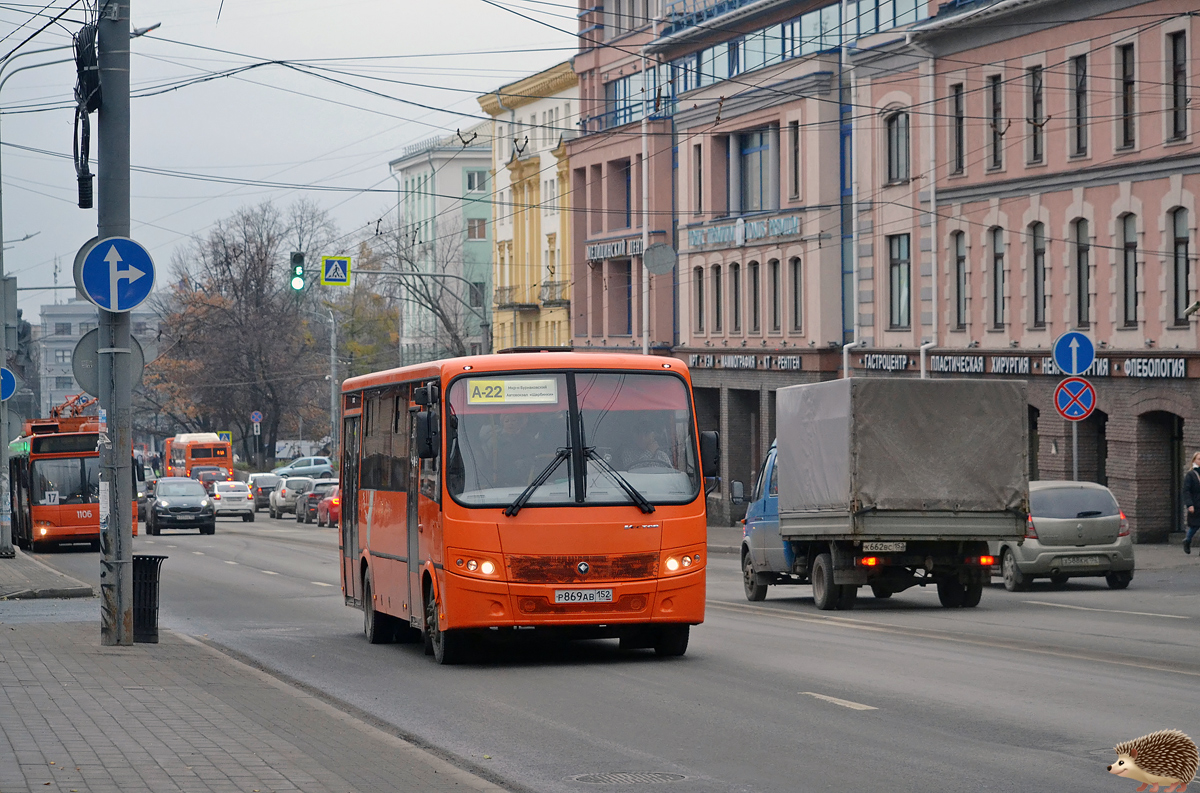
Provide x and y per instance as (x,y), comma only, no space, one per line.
(672,640)
(449,646)
(379,628)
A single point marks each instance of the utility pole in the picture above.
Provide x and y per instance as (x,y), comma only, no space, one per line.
(333,387)
(116,440)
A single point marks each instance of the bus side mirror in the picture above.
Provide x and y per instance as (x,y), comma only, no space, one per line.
(426,395)
(737,492)
(710,453)
(428,439)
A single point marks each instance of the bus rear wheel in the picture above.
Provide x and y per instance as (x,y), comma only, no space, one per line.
(449,646)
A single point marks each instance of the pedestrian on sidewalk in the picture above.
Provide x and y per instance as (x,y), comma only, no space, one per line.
(1191,500)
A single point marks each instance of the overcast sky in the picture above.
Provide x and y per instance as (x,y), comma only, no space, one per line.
(270,123)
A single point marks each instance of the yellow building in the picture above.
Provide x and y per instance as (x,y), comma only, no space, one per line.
(534,117)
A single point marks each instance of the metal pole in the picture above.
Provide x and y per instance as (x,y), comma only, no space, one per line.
(116,484)
(645,208)
(1075,450)
(333,387)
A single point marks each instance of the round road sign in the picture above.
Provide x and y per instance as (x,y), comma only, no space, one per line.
(256,417)
(8,384)
(1075,399)
(1073,353)
(117,274)
(85,362)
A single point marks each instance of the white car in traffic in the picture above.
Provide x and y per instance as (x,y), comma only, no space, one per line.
(233,498)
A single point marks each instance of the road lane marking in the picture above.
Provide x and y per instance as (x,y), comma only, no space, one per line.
(198,553)
(269,572)
(1106,611)
(321,583)
(845,703)
(843,622)
(229,562)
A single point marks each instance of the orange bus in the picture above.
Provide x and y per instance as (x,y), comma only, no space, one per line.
(189,449)
(54,470)
(553,490)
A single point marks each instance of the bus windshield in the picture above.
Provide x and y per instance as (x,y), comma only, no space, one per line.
(69,480)
(506,430)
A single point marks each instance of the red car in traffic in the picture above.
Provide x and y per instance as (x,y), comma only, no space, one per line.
(329,509)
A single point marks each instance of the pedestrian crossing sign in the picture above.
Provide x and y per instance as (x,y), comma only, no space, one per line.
(335,271)
(225,436)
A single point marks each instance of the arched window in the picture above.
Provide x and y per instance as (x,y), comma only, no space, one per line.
(735,295)
(997,278)
(960,280)
(1083,274)
(718,298)
(897,147)
(754,287)
(776,295)
(1129,270)
(1037,245)
(1183,267)
(698,286)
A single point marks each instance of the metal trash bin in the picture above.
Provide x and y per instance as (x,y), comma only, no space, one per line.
(145,597)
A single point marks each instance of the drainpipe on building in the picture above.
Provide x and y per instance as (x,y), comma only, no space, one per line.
(843,62)
(846,355)
(645,208)
(933,210)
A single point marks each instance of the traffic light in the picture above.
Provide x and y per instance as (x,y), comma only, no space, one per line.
(297,271)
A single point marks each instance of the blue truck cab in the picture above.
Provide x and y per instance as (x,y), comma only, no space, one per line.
(765,556)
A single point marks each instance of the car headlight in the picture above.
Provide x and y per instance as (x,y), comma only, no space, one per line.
(163,503)
(205,503)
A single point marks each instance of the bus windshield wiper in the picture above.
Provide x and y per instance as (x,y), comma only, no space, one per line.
(512,509)
(630,490)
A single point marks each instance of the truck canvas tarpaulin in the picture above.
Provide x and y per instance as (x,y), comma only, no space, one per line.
(861,446)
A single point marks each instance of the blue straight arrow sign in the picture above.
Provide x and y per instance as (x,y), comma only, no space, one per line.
(1073,353)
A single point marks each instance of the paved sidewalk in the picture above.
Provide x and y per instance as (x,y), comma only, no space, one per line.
(24,577)
(180,716)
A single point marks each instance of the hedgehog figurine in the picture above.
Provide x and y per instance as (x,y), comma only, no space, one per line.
(1166,757)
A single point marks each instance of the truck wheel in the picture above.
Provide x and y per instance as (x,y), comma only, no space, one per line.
(1014,579)
(379,628)
(849,597)
(754,590)
(825,593)
(951,593)
(880,592)
(973,594)
(672,640)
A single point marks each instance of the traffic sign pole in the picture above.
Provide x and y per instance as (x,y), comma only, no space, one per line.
(116,490)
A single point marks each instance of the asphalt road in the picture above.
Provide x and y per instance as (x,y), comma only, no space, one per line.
(1028,691)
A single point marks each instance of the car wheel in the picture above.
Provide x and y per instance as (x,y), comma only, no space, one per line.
(672,640)
(245,518)
(880,591)
(450,646)
(951,594)
(212,529)
(299,519)
(320,521)
(1119,579)
(973,594)
(825,593)
(307,516)
(271,512)
(1059,581)
(755,591)
(1014,579)
(250,518)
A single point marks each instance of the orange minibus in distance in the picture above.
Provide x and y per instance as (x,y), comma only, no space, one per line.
(553,490)
(189,449)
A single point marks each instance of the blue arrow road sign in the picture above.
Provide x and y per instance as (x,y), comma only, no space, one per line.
(118,274)
(1073,353)
(8,384)
(335,270)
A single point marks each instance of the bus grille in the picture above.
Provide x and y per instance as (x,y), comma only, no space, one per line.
(541,605)
(565,569)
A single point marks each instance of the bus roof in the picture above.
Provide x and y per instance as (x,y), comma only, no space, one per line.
(197,437)
(507,362)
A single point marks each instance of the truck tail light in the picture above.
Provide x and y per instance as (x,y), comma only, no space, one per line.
(869,561)
(987,561)
(1030,531)
(1124,530)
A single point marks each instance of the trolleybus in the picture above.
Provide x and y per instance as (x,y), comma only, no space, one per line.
(553,490)
(189,449)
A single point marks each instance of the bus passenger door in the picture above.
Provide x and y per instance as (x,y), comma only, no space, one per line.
(416,601)
(349,519)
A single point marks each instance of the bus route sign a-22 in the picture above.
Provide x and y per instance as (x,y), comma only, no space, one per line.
(117,274)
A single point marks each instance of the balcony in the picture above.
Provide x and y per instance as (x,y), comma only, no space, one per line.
(681,14)
(555,293)
(514,298)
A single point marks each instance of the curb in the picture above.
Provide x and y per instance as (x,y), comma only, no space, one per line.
(732,550)
(50,592)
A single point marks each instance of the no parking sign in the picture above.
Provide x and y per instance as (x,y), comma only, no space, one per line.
(1075,399)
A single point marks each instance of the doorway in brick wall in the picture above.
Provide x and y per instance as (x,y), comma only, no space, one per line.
(1158,475)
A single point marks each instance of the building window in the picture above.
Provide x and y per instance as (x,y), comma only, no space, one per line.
(1037,240)
(1083,280)
(698,170)
(698,285)
(755,299)
(477,290)
(996,120)
(797,295)
(735,295)
(958,140)
(899,266)
(794,146)
(1037,114)
(1130,268)
(897,147)
(960,280)
(628,278)
(477,229)
(1127,89)
(998,278)
(1079,108)
(1183,268)
(66,383)
(776,296)
(628,194)
(62,328)
(476,181)
(1179,98)
(62,356)
(718,298)
(755,148)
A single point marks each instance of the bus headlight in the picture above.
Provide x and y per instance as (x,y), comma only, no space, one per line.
(672,564)
(680,560)
(43,531)
(472,563)
(487,568)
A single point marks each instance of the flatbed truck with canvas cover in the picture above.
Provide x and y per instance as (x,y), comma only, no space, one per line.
(888,483)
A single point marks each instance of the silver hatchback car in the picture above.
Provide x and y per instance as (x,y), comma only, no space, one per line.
(1075,529)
